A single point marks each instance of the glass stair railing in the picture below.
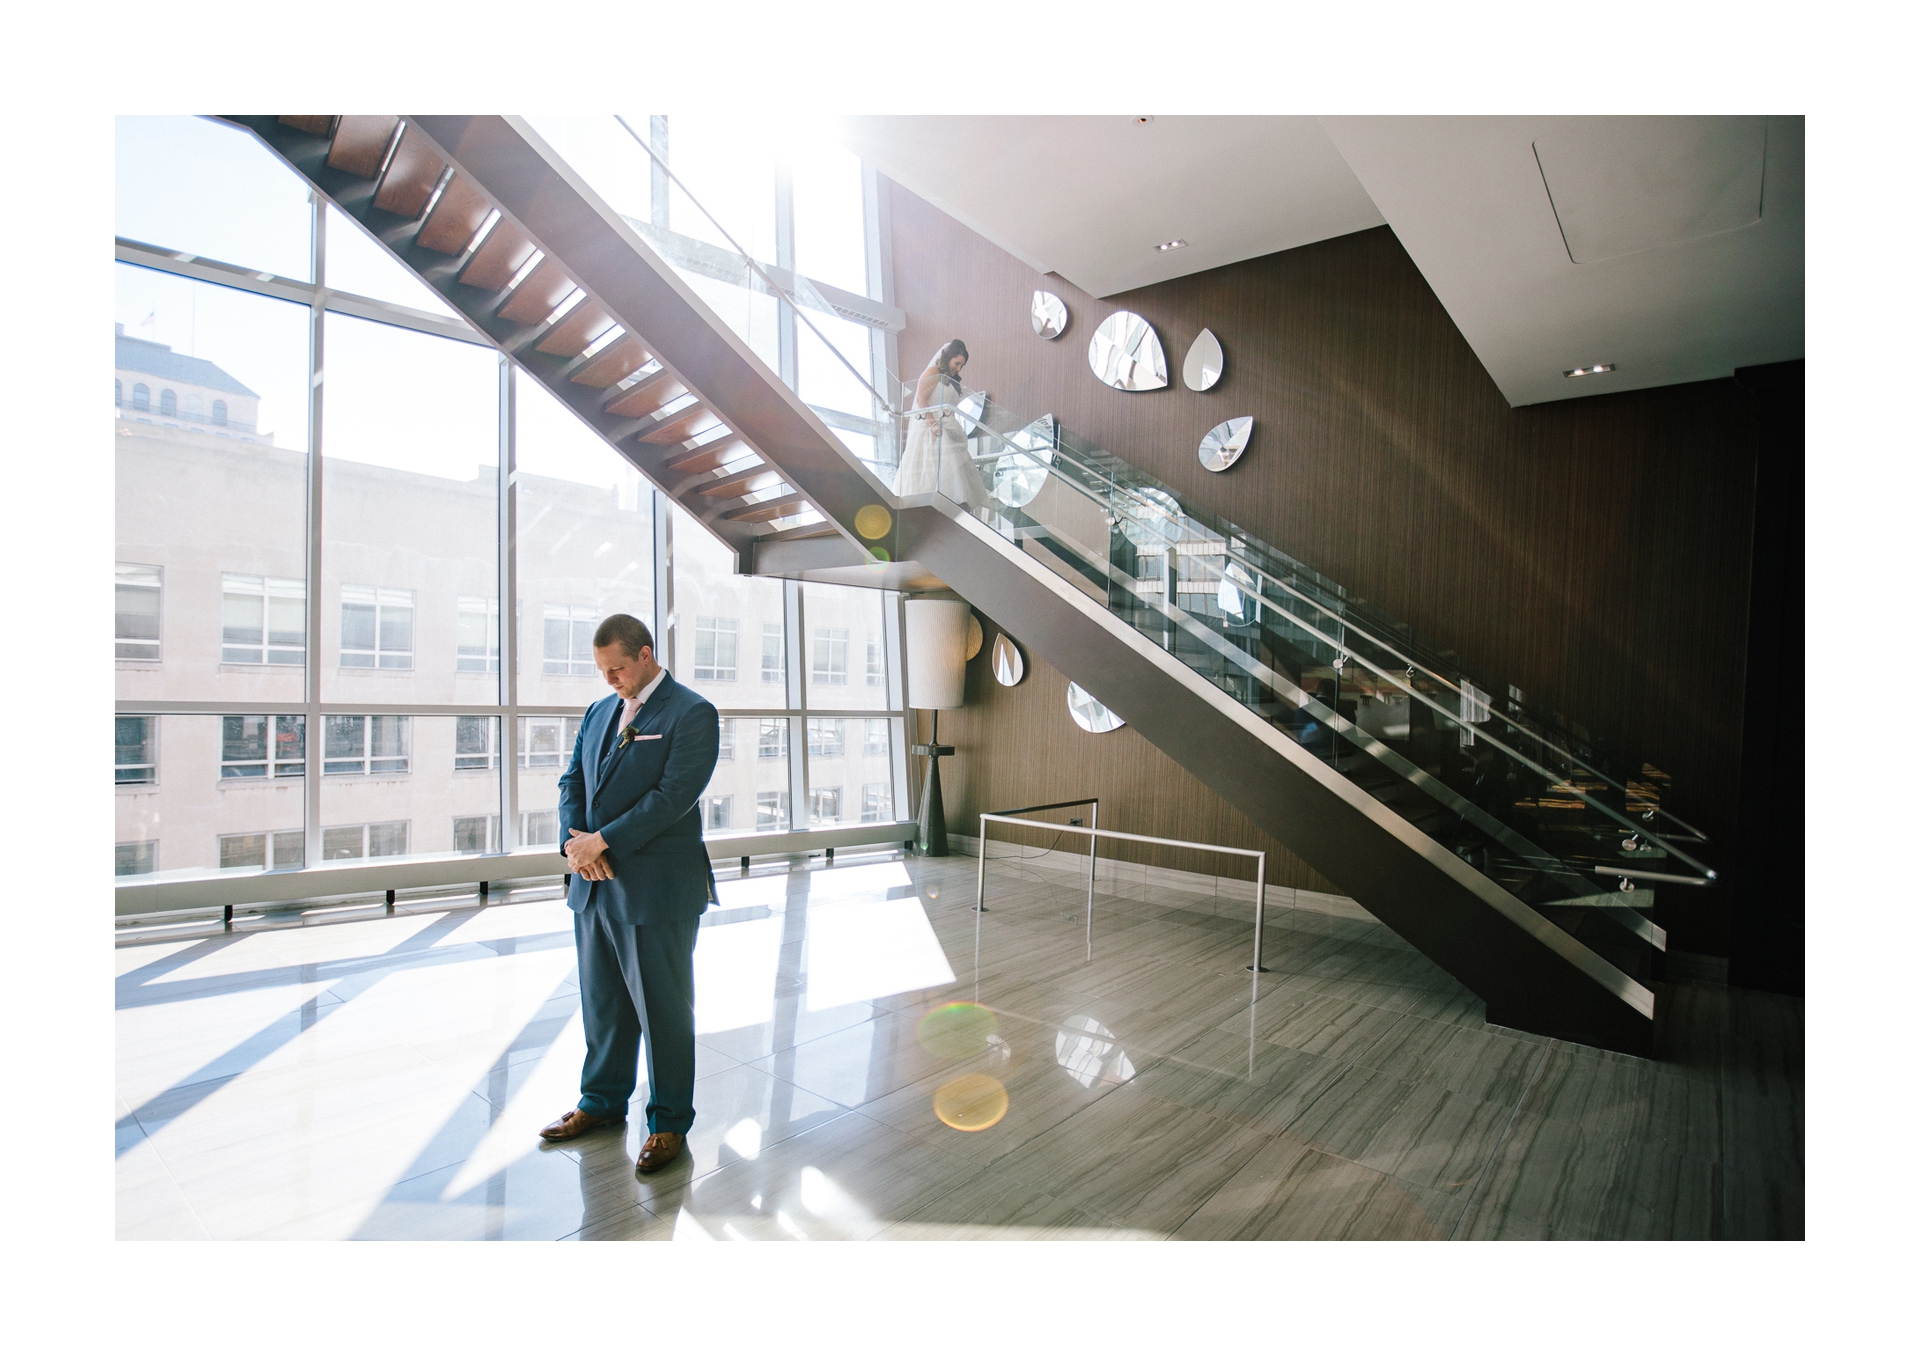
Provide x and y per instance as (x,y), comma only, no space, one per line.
(1453,753)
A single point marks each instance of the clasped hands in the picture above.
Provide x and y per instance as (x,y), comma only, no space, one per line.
(587,856)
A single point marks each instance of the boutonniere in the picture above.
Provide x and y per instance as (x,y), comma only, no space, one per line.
(626,735)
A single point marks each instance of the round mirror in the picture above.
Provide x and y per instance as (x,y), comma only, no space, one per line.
(1125,353)
(1022,469)
(974,637)
(1224,443)
(1205,363)
(1088,714)
(970,409)
(1008,667)
(1149,517)
(1237,593)
(1049,315)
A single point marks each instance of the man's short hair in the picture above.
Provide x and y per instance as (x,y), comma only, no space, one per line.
(629,633)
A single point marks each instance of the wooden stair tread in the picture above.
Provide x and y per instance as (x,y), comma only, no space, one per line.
(410,177)
(319,124)
(449,227)
(682,425)
(575,330)
(750,481)
(616,362)
(533,300)
(783,507)
(710,456)
(360,146)
(502,254)
(647,397)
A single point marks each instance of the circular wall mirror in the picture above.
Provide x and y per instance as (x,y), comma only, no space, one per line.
(1089,714)
(1224,443)
(1049,315)
(975,639)
(1008,667)
(1125,353)
(1022,470)
(1205,364)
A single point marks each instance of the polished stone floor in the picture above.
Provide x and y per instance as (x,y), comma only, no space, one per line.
(878,1061)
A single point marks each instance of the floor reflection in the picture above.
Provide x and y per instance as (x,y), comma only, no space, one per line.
(876,1059)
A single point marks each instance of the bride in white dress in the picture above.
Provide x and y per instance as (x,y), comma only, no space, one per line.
(936,454)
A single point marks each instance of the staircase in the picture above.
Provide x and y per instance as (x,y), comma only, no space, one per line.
(1491,836)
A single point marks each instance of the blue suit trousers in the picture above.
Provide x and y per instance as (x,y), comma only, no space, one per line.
(637,981)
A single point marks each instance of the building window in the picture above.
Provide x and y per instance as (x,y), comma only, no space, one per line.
(547,741)
(140,395)
(279,850)
(716,649)
(263,746)
(368,745)
(726,741)
(773,652)
(823,805)
(476,833)
(827,738)
(773,738)
(136,611)
(364,840)
(716,812)
(169,403)
(771,811)
(474,746)
(879,739)
(220,413)
(135,859)
(539,828)
(567,640)
(876,663)
(262,620)
(830,656)
(876,803)
(376,628)
(134,761)
(477,636)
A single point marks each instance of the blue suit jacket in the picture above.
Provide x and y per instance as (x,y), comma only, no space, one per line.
(643,797)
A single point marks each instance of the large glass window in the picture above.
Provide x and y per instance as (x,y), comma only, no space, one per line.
(232,793)
(707,592)
(411,511)
(205,188)
(846,643)
(215,511)
(424,773)
(716,649)
(477,636)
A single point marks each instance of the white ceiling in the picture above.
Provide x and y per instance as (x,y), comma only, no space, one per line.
(1089,197)
(1689,232)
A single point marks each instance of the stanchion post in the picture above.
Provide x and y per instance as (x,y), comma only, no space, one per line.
(1259,913)
(980,876)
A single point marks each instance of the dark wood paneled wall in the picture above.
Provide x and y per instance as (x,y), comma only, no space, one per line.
(1594,552)
(1017,746)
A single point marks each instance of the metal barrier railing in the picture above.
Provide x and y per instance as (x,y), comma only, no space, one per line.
(1096,834)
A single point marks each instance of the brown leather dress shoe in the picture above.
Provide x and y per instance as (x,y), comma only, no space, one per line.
(660,1150)
(576,1123)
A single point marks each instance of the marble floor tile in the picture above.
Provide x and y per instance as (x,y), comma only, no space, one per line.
(1243,1079)
(1418,1132)
(994,1209)
(538,1196)
(1628,1099)
(1481,1064)
(1319,1024)
(1289,1190)
(1135,1161)
(876,1057)
(632,1225)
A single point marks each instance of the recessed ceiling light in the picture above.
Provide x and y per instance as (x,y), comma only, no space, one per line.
(1588,371)
(1172,245)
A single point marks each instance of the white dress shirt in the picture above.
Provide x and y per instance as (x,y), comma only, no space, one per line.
(631,707)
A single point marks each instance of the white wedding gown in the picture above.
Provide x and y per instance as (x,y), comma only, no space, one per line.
(936,457)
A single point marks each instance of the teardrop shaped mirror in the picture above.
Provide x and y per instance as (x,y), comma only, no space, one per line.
(1021,470)
(975,638)
(1125,353)
(970,409)
(1049,315)
(1224,443)
(1088,713)
(1008,666)
(1205,364)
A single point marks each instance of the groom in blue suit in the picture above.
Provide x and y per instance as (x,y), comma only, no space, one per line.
(630,828)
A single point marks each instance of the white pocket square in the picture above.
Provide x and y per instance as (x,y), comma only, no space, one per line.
(638,738)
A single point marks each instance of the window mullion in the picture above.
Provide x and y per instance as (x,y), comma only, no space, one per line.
(796,649)
(316,406)
(507,728)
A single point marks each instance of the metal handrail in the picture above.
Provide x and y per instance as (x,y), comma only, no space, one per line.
(1259,880)
(1093,849)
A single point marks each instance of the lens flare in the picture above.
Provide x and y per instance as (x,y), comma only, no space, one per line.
(877,558)
(957,1030)
(971,1102)
(872,522)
